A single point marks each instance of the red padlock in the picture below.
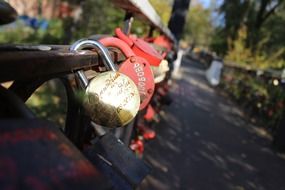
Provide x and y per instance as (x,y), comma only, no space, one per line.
(161,41)
(135,67)
(140,48)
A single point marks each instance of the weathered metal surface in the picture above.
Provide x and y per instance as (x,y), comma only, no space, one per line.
(30,64)
(144,10)
(59,60)
(34,154)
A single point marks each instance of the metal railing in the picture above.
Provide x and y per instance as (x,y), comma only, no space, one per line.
(23,61)
(143,10)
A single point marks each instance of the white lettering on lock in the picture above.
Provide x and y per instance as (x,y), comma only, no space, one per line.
(141,84)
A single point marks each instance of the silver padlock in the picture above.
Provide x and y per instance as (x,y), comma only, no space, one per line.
(111,99)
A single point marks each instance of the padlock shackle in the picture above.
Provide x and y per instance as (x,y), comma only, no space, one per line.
(93,44)
(118,43)
(124,37)
(84,80)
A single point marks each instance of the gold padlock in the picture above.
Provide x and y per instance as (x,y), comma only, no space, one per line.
(111,99)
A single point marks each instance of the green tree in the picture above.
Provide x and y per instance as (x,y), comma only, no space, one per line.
(273,30)
(253,14)
(263,43)
(241,54)
(163,8)
(198,29)
(98,17)
(235,12)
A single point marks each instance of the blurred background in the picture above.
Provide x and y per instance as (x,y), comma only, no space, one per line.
(245,32)
(248,34)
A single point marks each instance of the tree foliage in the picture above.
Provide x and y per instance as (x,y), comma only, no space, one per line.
(98,17)
(198,29)
(243,55)
(251,13)
(262,22)
(163,8)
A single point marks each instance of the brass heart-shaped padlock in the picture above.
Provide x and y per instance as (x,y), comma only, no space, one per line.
(111,99)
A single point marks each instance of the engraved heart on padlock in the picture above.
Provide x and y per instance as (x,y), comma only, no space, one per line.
(111,99)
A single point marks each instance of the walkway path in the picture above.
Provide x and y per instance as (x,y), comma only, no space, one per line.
(204,143)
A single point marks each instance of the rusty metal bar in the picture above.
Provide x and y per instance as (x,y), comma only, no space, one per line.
(27,64)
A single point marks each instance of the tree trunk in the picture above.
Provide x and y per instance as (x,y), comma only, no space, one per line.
(178,17)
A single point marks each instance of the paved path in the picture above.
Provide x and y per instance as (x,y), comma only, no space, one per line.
(204,143)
